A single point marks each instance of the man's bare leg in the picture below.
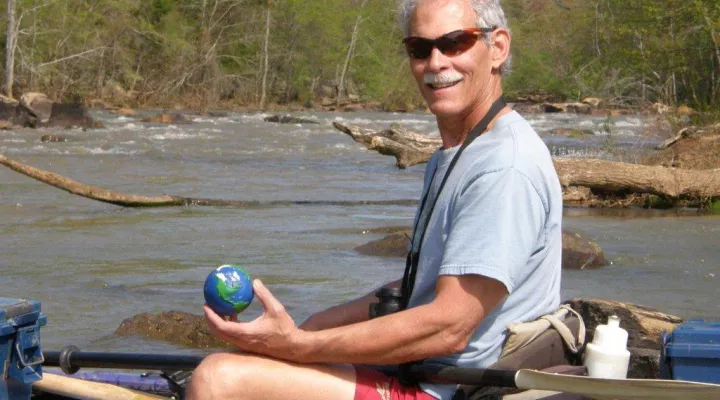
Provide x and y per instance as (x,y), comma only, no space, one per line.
(247,377)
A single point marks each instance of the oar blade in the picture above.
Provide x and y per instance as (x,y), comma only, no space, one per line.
(79,389)
(617,388)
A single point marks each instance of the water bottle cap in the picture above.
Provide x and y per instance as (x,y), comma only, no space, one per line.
(611,336)
(613,321)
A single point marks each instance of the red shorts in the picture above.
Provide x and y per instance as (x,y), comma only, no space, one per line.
(374,385)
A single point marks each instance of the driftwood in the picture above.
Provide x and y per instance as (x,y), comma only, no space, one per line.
(690,131)
(131,200)
(606,176)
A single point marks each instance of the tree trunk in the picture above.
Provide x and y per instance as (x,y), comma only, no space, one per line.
(131,200)
(411,148)
(263,88)
(10,41)
(341,84)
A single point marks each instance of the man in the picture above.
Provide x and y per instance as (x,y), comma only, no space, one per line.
(486,250)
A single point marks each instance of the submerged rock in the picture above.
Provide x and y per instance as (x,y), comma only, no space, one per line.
(71,115)
(392,245)
(175,118)
(53,138)
(579,251)
(171,326)
(287,119)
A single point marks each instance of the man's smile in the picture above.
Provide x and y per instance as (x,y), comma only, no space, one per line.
(442,80)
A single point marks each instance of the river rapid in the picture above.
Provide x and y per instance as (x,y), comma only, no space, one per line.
(92,264)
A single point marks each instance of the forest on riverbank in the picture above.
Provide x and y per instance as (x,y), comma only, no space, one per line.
(227,53)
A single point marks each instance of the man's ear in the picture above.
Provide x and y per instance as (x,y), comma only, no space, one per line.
(500,47)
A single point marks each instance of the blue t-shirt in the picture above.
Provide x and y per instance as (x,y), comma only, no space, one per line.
(499,216)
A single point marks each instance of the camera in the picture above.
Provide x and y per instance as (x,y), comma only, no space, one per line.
(390,302)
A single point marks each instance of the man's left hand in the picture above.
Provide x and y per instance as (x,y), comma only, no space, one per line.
(270,334)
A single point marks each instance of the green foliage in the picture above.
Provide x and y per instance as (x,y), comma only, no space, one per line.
(715,207)
(629,53)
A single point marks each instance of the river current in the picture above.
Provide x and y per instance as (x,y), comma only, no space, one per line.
(92,264)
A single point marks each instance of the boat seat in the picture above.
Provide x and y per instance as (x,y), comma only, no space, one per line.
(546,352)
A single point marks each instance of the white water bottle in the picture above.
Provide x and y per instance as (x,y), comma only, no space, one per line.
(607,356)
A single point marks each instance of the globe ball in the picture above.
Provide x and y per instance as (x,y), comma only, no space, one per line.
(228,290)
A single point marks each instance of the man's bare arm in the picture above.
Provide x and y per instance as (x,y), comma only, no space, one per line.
(344,314)
(443,326)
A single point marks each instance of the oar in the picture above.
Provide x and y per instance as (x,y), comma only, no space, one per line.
(71,359)
(79,389)
(592,387)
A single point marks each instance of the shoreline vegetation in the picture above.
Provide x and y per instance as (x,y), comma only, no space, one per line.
(228,54)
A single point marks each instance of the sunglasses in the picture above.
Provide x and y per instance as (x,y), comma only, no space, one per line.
(450,44)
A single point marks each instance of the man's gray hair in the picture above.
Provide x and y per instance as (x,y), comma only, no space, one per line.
(489,14)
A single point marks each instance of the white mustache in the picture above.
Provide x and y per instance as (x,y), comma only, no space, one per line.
(431,78)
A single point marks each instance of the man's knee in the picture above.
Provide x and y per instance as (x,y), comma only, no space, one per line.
(220,376)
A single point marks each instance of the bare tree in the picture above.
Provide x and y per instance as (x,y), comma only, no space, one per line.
(10,42)
(263,86)
(351,49)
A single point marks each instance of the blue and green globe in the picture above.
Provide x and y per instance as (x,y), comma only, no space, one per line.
(228,290)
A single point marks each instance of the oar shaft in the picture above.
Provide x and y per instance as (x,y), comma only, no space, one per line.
(464,376)
(70,359)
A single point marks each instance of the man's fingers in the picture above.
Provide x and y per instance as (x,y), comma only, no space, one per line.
(271,305)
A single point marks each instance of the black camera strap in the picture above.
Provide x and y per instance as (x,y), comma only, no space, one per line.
(412,259)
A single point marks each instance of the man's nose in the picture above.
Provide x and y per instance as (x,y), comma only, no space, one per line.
(437,60)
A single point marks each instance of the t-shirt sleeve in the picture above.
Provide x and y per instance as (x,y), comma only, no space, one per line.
(496,222)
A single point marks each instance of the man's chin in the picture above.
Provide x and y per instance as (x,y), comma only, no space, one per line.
(443,109)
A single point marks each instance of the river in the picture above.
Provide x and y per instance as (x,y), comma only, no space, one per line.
(92,265)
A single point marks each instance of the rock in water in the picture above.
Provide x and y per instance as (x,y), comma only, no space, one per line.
(228,290)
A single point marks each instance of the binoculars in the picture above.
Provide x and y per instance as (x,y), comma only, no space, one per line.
(390,302)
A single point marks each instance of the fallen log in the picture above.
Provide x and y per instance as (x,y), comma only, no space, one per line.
(131,200)
(606,176)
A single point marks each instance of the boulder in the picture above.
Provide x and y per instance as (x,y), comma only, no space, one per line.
(644,324)
(578,108)
(552,108)
(288,119)
(38,104)
(644,363)
(354,107)
(581,252)
(71,115)
(175,118)
(592,101)
(171,326)
(8,110)
(392,245)
(53,138)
